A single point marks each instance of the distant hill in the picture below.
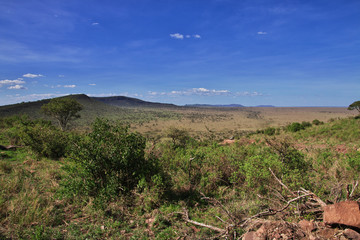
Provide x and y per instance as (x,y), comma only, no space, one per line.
(32,109)
(123,101)
(215,105)
(125,109)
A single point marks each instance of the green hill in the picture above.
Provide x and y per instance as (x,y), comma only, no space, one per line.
(120,108)
(123,101)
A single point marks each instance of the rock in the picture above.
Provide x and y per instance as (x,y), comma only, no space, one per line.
(227,142)
(351,234)
(327,233)
(250,236)
(262,231)
(306,226)
(345,213)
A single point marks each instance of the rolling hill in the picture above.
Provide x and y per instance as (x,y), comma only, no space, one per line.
(115,108)
(123,101)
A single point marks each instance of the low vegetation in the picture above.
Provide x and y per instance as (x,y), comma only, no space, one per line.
(109,182)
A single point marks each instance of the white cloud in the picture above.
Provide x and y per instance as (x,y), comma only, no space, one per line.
(11,82)
(69,86)
(251,94)
(17,87)
(204,92)
(182,36)
(193,91)
(30,75)
(95,23)
(177,36)
(261,33)
(92,84)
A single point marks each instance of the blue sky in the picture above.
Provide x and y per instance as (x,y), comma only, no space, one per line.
(273,52)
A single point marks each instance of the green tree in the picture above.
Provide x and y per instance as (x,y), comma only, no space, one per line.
(63,110)
(354,105)
(178,136)
(109,160)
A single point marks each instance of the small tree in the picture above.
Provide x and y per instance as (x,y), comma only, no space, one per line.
(63,110)
(178,136)
(109,160)
(355,105)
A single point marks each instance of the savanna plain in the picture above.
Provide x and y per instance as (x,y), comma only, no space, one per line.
(167,173)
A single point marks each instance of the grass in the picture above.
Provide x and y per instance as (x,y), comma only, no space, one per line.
(33,207)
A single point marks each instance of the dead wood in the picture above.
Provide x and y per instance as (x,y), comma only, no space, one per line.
(10,147)
(187,219)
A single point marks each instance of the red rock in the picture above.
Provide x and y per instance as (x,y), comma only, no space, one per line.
(351,234)
(306,226)
(346,213)
(262,231)
(250,236)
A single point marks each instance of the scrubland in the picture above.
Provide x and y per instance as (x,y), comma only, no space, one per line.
(156,179)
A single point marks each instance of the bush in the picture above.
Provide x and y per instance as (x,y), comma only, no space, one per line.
(295,127)
(179,136)
(270,131)
(305,124)
(44,139)
(317,122)
(107,161)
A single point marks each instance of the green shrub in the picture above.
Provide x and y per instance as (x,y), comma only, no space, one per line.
(317,122)
(295,127)
(270,131)
(305,124)
(45,140)
(107,161)
(179,136)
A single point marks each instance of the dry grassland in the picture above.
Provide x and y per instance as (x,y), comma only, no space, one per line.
(232,121)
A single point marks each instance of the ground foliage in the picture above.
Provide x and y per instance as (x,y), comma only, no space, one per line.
(110,182)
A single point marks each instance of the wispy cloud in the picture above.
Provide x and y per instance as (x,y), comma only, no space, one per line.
(261,33)
(13,84)
(95,23)
(16,87)
(203,92)
(251,94)
(61,75)
(92,84)
(177,36)
(30,75)
(60,86)
(182,36)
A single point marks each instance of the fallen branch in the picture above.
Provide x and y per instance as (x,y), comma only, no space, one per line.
(216,202)
(353,187)
(10,147)
(316,198)
(281,183)
(187,219)
(271,212)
